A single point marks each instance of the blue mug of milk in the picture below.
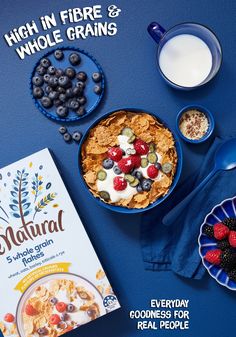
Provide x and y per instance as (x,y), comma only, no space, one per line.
(189,54)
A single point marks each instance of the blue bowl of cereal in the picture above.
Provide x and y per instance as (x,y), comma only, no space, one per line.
(195,124)
(130,160)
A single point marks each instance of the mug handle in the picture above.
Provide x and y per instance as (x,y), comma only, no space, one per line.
(156,31)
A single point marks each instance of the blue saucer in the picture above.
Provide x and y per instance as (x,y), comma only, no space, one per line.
(227,209)
(89,65)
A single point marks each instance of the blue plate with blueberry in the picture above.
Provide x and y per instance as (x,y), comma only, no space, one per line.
(67,84)
(130,160)
(217,243)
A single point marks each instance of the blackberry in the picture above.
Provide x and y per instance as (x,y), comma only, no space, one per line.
(232,274)
(228,260)
(223,244)
(208,230)
(230,223)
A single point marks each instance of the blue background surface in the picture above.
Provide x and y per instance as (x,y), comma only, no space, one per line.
(128,60)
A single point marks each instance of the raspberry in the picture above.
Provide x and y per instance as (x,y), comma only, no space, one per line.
(230,223)
(213,256)
(125,165)
(220,231)
(54,319)
(152,171)
(141,147)
(30,310)
(136,161)
(115,153)
(61,306)
(208,230)
(120,183)
(232,239)
(9,318)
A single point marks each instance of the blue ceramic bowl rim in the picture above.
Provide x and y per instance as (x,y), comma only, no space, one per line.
(199,242)
(209,117)
(75,118)
(181,87)
(121,209)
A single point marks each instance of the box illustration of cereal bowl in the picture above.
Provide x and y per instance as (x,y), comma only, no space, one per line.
(51,279)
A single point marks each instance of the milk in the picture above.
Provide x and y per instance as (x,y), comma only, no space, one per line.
(185,60)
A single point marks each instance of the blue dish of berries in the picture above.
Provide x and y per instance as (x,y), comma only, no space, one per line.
(67,84)
(217,243)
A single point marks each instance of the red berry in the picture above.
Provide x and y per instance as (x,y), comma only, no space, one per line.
(120,183)
(141,147)
(152,171)
(9,318)
(136,161)
(54,319)
(125,165)
(115,153)
(213,256)
(61,306)
(232,238)
(220,231)
(30,310)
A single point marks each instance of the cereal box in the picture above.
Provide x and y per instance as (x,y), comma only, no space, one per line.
(51,279)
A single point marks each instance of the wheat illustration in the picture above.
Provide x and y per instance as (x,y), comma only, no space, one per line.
(44,202)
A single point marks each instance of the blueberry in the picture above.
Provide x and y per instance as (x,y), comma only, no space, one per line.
(74,59)
(70,72)
(46,78)
(59,72)
(82,100)
(45,62)
(62,130)
(37,80)
(67,137)
(107,163)
(70,307)
(48,89)
(62,98)
(146,184)
(46,102)
(91,313)
(51,70)
(42,331)
(97,77)
(41,70)
(81,76)
(64,316)
(58,54)
(138,174)
(139,188)
(61,90)
(74,104)
(97,89)
(69,93)
(77,136)
(158,166)
(62,111)
(57,102)
(38,92)
(63,81)
(80,84)
(53,300)
(77,91)
(81,111)
(117,170)
(53,81)
(53,95)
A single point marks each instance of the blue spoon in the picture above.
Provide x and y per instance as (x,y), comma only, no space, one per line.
(225,159)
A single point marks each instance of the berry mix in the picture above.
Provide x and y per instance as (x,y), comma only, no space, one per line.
(224,255)
(63,89)
(127,165)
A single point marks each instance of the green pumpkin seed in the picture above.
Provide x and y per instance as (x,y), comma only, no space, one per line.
(167,168)
(144,162)
(152,147)
(104,195)
(134,183)
(130,151)
(129,178)
(152,157)
(101,175)
(131,139)
(127,132)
